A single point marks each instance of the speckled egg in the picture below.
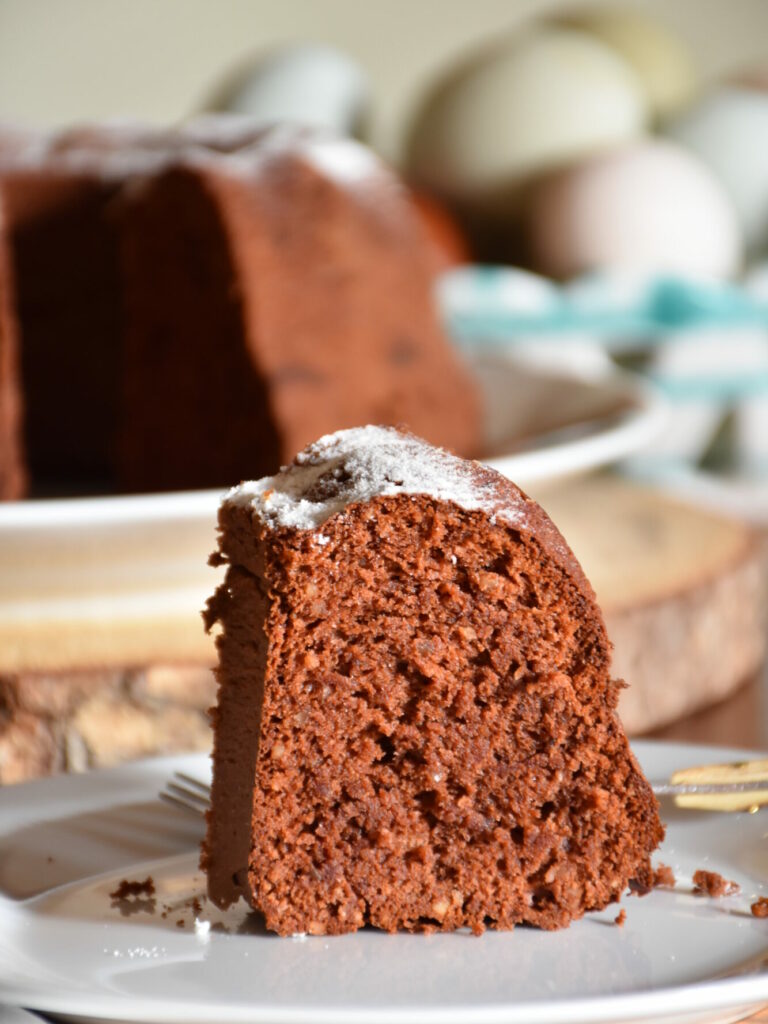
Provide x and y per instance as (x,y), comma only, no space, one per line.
(728,130)
(544,97)
(645,207)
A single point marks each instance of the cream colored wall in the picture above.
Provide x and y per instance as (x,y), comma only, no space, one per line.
(64,60)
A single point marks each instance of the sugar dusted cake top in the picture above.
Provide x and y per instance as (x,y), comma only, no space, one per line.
(230,144)
(354,466)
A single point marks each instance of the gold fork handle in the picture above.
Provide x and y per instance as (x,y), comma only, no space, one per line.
(739,786)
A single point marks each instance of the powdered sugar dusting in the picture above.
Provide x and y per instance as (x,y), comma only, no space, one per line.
(349,164)
(344,160)
(357,465)
(221,131)
(235,144)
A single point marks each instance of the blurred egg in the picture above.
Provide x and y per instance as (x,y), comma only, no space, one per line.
(544,97)
(448,243)
(646,207)
(728,130)
(306,84)
(661,60)
(755,77)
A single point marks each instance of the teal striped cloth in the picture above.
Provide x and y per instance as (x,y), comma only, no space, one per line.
(498,304)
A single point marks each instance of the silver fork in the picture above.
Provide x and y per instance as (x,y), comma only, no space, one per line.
(192,795)
(187,792)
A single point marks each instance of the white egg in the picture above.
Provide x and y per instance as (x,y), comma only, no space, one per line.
(544,97)
(661,61)
(728,130)
(306,84)
(645,207)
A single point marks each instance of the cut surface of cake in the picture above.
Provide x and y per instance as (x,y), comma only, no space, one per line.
(416,725)
(12,473)
(57,192)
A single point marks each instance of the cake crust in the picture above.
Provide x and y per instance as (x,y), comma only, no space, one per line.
(416,726)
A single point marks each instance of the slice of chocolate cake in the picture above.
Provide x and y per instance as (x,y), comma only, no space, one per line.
(416,725)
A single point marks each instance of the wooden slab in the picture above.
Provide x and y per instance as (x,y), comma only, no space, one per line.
(684,593)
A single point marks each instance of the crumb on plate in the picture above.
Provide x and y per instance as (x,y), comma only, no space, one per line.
(710,883)
(663,877)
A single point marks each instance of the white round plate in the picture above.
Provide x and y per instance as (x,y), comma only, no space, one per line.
(121,580)
(66,843)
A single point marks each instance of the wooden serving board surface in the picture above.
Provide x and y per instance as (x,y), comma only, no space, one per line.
(684,593)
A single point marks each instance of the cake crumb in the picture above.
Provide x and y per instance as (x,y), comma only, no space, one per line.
(128,888)
(620,918)
(760,907)
(180,923)
(710,883)
(664,877)
(134,897)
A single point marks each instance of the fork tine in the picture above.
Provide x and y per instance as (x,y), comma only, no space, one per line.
(197,799)
(177,801)
(194,783)
(187,792)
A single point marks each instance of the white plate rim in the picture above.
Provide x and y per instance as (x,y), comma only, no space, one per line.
(642,421)
(727,993)
(635,429)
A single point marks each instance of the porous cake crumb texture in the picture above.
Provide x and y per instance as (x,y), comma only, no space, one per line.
(416,726)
